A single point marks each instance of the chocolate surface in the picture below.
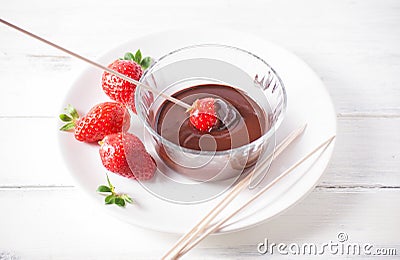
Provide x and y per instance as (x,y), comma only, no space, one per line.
(172,121)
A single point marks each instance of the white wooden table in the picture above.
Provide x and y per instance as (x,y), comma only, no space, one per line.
(353,45)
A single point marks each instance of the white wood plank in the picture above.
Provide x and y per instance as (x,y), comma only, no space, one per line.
(35,85)
(366,155)
(357,56)
(352,45)
(30,154)
(60,224)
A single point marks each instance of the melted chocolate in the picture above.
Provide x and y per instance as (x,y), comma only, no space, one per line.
(172,122)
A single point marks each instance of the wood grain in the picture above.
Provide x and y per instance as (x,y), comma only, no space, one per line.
(366,154)
(352,45)
(357,56)
(48,222)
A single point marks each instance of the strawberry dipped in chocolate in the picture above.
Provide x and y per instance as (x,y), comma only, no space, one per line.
(207,114)
(203,115)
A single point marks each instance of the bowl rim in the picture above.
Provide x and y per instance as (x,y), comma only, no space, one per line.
(256,142)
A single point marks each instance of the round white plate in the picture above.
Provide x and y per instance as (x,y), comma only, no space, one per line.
(308,102)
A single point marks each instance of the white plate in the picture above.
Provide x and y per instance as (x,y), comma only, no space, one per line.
(308,102)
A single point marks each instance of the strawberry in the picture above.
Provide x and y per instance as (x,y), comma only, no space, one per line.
(202,114)
(118,89)
(103,119)
(126,155)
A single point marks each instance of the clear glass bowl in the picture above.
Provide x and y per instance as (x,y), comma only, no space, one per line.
(208,64)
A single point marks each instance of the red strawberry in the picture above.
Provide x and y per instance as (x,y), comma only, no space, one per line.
(126,155)
(202,114)
(103,119)
(118,89)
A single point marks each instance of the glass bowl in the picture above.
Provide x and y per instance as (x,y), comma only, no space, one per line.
(220,65)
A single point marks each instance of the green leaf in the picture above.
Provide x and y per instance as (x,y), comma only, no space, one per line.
(145,63)
(114,198)
(129,56)
(138,56)
(72,111)
(120,201)
(103,188)
(68,126)
(110,199)
(65,118)
(127,198)
(109,183)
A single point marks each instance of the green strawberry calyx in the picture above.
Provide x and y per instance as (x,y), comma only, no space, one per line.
(112,197)
(69,117)
(137,57)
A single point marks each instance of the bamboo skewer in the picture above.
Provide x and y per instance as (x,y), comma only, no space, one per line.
(215,227)
(202,224)
(98,65)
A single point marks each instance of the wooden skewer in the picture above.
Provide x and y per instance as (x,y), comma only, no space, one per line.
(202,224)
(258,194)
(122,76)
